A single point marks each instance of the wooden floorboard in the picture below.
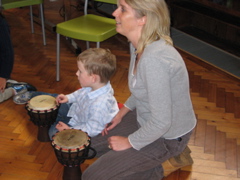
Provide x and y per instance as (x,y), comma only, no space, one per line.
(215,142)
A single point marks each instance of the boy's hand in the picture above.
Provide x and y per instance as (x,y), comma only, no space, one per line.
(61,126)
(61,98)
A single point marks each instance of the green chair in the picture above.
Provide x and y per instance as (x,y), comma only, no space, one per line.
(88,27)
(10,4)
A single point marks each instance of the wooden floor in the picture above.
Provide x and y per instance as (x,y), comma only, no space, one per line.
(215,143)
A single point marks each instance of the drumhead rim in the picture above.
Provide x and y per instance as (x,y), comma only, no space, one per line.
(73,148)
(69,150)
(42,111)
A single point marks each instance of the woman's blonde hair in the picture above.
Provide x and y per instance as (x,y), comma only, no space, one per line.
(99,61)
(157,21)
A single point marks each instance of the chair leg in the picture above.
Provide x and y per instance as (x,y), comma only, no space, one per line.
(87,43)
(98,44)
(58,58)
(43,25)
(31,18)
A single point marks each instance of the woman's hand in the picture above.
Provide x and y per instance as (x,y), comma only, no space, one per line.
(61,126)
(119,143)
(61,98)
(116,120)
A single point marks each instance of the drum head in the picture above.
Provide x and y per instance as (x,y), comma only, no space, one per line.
(70,139)
(42,102)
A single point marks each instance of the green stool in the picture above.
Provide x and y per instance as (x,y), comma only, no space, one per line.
(88,27)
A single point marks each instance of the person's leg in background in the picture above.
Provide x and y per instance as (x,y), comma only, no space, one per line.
(8,93)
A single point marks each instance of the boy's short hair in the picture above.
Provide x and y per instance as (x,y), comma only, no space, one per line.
(99,61)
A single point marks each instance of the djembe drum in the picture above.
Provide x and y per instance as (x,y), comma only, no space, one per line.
(72,147)
(42,111)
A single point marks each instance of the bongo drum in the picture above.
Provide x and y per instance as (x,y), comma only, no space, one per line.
(42,111)
(71,147)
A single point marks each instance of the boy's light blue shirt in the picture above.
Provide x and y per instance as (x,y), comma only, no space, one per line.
(92,110)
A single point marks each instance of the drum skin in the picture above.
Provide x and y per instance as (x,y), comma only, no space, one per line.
(42,110)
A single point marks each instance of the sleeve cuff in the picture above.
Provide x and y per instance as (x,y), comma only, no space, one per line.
(132,144)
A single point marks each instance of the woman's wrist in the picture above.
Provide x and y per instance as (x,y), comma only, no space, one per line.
(123,111)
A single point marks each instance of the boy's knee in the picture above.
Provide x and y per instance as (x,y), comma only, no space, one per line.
(52,131)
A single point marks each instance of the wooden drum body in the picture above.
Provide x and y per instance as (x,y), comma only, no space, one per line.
(43,112)
(71,147)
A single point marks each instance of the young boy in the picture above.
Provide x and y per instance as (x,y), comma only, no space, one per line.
(93,106)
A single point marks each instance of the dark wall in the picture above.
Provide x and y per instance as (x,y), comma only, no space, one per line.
(210,16)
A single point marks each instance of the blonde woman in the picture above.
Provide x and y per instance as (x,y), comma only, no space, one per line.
(156,121)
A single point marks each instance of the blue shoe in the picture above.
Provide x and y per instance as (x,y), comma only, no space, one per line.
(22,98)
(19,89)
(29,87)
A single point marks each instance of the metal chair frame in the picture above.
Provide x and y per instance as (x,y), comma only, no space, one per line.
(31,19)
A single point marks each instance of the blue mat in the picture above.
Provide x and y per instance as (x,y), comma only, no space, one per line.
(213,55)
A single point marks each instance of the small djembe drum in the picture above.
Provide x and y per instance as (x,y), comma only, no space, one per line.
(72,147)
(42,111)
